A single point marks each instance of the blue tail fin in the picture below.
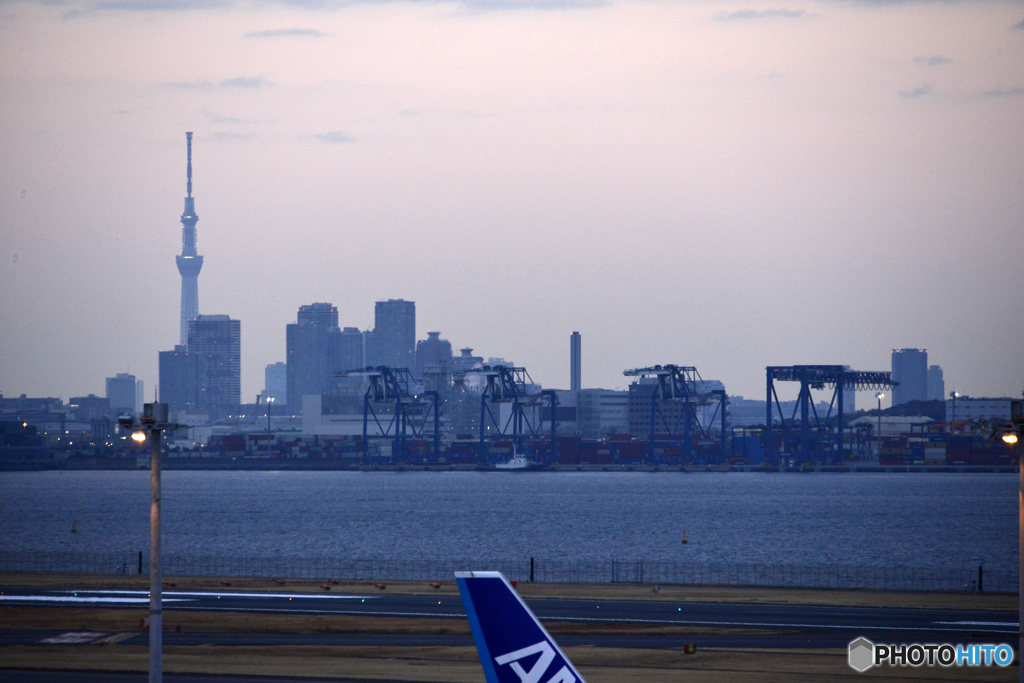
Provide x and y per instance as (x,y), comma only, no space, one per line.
(513,646)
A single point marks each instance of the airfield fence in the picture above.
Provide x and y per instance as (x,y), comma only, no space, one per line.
(544,570)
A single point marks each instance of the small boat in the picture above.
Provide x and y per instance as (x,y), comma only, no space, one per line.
(517,462)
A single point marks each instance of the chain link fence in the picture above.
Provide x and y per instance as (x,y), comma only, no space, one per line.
(529,569)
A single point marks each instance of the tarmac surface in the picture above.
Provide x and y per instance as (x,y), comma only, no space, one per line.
(761,625)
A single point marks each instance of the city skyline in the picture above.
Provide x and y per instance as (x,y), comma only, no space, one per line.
(701,183)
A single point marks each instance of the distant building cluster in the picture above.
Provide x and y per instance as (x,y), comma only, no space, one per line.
(339,385)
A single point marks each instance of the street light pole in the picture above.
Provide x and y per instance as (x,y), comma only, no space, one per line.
(270,399)
(152,425)
(156,615)
(879,396)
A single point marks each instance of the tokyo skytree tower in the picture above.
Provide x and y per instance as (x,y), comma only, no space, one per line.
(189,263)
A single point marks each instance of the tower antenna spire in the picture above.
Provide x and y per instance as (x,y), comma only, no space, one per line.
(188,137)
(190,262)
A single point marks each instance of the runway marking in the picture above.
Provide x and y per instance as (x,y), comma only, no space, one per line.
(73,638)
(81,599)
(209,594)
(748,624)
(982,623)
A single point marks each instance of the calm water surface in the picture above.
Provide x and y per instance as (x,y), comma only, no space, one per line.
(851,519)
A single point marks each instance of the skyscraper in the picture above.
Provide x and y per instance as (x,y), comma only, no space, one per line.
(121,393)
(394,333)
(936,384)
(910,370)
(177,379)
(433,356)
(575,361)
(351,355)
(215,344)
(190,262)
(313,352)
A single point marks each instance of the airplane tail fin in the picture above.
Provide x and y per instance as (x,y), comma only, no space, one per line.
(513,646)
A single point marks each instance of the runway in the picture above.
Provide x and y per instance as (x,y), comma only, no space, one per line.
(776,626)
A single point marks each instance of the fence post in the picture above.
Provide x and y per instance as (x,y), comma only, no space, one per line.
(981,578)
(531,569)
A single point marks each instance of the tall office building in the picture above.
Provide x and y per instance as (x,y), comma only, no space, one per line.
(394,333)
(849,396)
(910,370)
(575,368)
(936,384)
(121,392)
(433,356)
(351,353)
(215,344)
(275,382)
(313,352)
(177,379)
(189,262)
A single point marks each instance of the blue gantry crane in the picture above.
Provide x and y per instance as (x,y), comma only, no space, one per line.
(505,384)
(399,408)
(835,377)
(682,385)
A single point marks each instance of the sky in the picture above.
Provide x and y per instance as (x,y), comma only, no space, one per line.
(727,184)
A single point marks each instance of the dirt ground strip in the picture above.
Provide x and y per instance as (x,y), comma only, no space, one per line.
(589,591)
(460,664)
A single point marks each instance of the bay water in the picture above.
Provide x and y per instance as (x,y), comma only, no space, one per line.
(913,520)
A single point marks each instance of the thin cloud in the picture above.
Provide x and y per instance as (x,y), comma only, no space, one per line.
(190,85)
(1014,92)
(244,82)
(534,4)
(922,90)
(753,14)
(215,118)
(935,60)
(160,5)
(232,136)
(286,33)
(335,137)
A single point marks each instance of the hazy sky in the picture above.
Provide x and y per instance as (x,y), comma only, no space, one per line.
(725,184)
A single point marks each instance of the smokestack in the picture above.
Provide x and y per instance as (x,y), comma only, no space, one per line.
(574,362)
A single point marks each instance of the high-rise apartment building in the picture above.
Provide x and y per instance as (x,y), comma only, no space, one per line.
(910,370)
(215,345)
(936,384)
(575,367)
(394,333)
(313,352)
